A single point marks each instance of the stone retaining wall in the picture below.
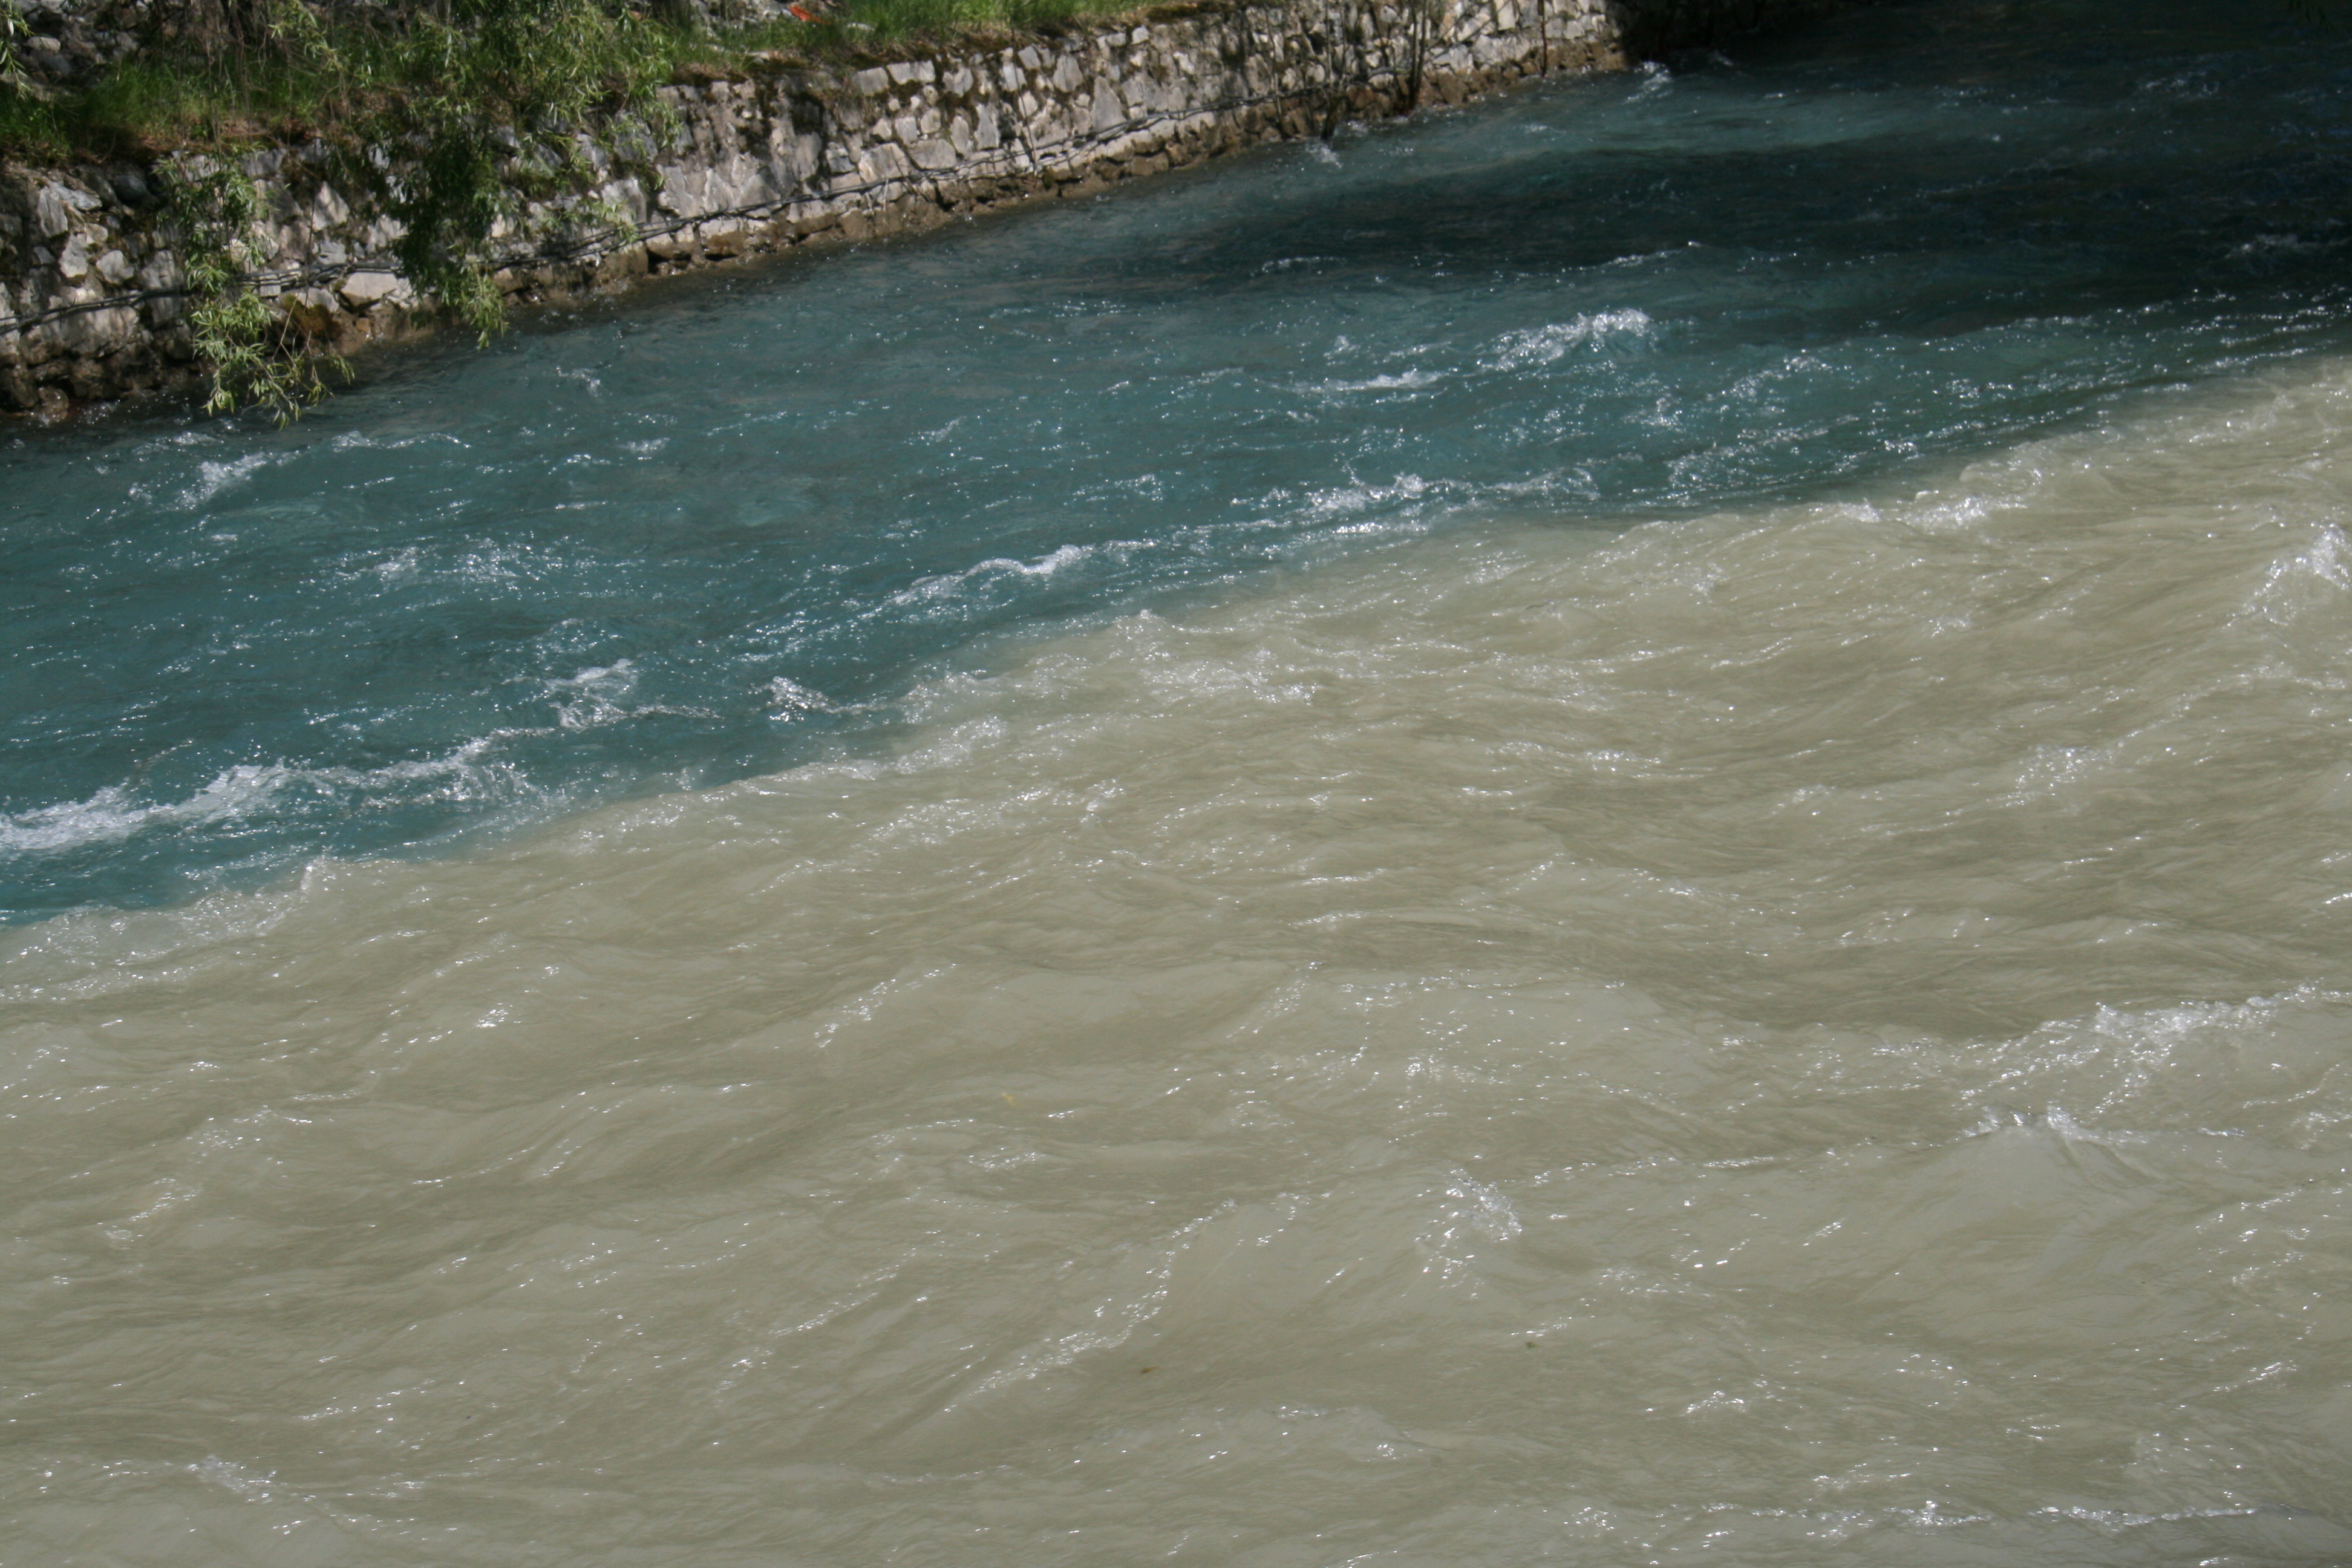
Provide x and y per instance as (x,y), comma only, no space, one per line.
(792,155)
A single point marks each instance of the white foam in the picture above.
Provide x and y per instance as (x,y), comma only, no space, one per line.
(111,814)
(790,699)
(2320,571)
(1545,345)
(214,478)
(947,585)
(1406,381)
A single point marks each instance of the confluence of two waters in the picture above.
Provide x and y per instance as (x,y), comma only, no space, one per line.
(703,540)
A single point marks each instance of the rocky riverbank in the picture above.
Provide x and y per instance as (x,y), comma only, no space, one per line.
(789,153)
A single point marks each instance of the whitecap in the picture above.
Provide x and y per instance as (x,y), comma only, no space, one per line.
(790,699)
(947,585)
(111,814)
(1408,381)
(1544,345)
(214,478)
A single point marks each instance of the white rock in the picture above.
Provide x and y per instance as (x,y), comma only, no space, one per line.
(93,333)
(361,290)
(883,162)
(54,207)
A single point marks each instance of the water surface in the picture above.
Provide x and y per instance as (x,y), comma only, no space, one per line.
(1610,831)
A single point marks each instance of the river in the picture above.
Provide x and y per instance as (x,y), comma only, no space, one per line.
(1616,828)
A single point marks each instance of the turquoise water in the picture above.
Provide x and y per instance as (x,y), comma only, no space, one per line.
(723,528)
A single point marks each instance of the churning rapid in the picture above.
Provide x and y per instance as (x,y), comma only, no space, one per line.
(1610,830)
